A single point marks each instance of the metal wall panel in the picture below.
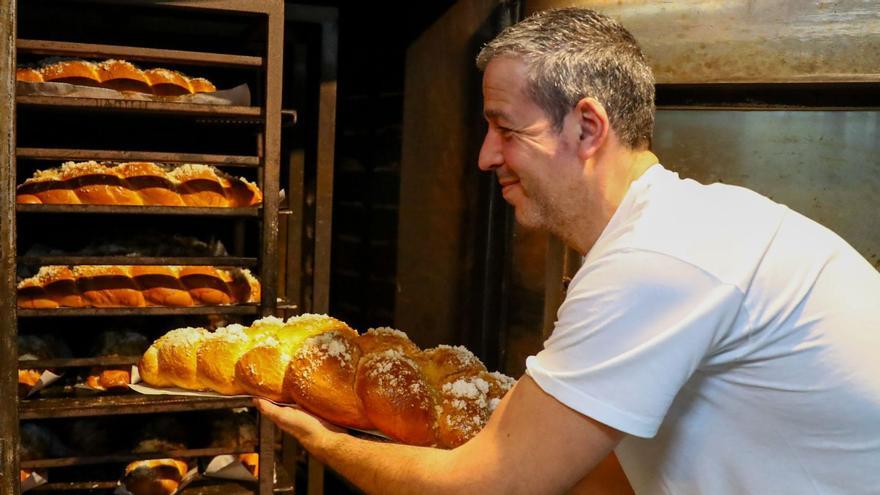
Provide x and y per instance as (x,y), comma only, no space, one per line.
(709,41)
(825,164)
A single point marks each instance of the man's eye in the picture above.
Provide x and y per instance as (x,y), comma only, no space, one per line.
(505,132)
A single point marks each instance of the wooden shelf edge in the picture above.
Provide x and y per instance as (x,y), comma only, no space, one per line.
(216,261)
(134,53)
(63,154)
(124,404)
(240,309)
(141,106)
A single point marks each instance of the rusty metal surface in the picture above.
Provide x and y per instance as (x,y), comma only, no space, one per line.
(137,156)
(240,309)
(439,177)
(136,106)
(88,50)
(125,404)
(119,458)
(8,328)
(825,165)
(215,261)
(707,41)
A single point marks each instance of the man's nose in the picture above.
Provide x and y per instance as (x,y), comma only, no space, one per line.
(490,153)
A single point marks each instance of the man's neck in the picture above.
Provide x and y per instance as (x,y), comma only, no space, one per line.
(617,176)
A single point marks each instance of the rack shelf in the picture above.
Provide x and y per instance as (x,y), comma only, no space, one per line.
(124,404)
(139,106)
(88,50)
(218,487)
(241,309)
(78,362)
(250,211)
(136,156)
(217,261)
(86,460)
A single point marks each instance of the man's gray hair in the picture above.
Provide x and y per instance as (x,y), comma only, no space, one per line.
(576,53)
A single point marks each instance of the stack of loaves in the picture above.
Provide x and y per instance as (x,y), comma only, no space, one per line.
(119,75)
(119,286)
(137,183)
(376,380)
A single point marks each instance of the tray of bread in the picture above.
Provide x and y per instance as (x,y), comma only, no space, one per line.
(138,184)
(121,79)
(136,286)
(378,380)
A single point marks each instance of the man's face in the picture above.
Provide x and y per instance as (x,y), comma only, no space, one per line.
(535,165)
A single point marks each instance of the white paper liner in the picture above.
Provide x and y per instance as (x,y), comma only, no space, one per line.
(34,480)
(46,379)
(239,95)
(134,377)
(228,467)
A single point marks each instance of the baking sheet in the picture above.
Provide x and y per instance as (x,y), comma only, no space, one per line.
(239,95)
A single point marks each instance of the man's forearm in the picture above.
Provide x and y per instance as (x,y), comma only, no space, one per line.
(380,467)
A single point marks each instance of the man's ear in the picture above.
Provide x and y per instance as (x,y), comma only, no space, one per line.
(593,125)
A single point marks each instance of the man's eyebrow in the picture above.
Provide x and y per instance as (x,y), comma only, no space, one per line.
(494,114)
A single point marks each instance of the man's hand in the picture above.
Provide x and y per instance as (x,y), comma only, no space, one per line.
(312,432)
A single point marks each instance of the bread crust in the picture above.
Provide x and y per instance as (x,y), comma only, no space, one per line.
(378,380)
(161,286)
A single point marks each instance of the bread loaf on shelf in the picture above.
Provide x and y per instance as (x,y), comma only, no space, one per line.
(138,183)
(119,75)
(115,343)
(154,476)
(376,380)
(119,286)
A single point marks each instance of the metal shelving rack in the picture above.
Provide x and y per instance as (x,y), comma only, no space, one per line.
(266,118)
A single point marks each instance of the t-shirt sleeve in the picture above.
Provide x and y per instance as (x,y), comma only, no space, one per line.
(633,328)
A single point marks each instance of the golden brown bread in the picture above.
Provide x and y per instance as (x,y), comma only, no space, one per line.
(166,82)
(79,72)
(108,286)
(154,476)
(138,183)
(115,74)
(377,380)
(151,182)
(123,76)
(28,74)
(161,285)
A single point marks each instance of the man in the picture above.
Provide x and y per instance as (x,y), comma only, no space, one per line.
(717,341)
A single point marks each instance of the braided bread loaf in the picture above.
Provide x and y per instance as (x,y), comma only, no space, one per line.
(154,476)
(115,74)
(137,183)
(376,380)
(111,286)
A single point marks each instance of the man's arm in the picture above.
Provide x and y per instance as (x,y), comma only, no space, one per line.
(531,444)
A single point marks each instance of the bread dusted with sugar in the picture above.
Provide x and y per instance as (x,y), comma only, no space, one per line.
(151,182)
(119,75)
(217,355)
(80,72)
(119,286)
(138,183)
(321,375)
(377,380)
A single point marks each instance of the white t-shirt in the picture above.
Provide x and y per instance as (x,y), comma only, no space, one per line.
(736,341)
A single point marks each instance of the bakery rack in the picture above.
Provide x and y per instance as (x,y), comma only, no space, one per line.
(252,47)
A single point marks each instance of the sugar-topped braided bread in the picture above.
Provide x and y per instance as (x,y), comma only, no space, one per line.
(115,286)
(376,380)
(138,183)
(115,74)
